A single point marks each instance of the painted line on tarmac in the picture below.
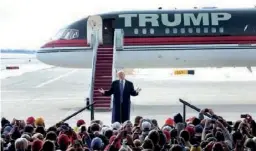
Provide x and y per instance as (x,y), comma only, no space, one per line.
(55,79)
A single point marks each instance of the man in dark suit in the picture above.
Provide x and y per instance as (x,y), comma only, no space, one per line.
(122,89)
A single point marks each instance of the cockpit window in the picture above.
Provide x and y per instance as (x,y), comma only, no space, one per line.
(67,34)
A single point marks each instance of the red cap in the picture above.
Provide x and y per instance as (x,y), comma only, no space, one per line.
(169,122)
(30,120)
(80,122)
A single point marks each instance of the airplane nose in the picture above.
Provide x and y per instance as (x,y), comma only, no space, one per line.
(44,56)
(40,56)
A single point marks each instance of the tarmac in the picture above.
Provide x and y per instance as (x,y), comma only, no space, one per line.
(55,93)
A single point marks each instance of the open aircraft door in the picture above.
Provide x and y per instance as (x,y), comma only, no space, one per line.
(94,23)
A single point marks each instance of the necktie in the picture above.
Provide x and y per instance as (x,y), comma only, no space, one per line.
(121,90)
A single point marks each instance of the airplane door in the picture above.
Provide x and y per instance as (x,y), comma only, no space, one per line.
(94,23)
(108,32)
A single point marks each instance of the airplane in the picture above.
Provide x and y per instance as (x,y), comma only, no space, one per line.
(162,39)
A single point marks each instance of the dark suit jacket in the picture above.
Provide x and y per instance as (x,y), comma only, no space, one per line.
(120,112)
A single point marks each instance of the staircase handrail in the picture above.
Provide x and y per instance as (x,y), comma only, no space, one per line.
(185,103)
(95,44)
(74,114)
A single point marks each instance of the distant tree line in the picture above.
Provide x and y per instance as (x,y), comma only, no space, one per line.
(23,51)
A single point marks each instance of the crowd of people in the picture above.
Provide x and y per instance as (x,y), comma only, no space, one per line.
(195,134)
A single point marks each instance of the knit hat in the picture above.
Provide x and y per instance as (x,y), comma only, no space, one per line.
(37,145)
(167,128)
(198,130)
(116,126)
(26,136)
(64,128)
(7,130)
(80,122)
(191,130)
(169,122)
(96,143)
(30,120)
(145,126)
(178,118)
(63,139)
(4,121)
(39,121)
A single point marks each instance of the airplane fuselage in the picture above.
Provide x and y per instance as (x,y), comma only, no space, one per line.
(163,39)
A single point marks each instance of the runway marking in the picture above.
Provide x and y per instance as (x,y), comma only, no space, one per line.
(55,79)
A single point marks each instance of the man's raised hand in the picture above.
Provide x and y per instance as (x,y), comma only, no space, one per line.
(101,91)
(138,90)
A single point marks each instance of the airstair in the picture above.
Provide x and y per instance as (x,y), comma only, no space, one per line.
(103,65)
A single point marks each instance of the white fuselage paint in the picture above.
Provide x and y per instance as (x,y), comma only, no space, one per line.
(172,20)
(143,58)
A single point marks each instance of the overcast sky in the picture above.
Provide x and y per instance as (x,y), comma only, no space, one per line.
(29,24)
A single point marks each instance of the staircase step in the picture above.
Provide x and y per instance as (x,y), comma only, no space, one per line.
(102,84)
(107,64)
(101,97)
(102,107)
(96,88)
(104,67)
(105,78)
(106,104)
(102,81)
(106,86)
(105,53)
(101,100)
(97,93)
(104,64)
(104,61)
(103,75)
(105,58)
